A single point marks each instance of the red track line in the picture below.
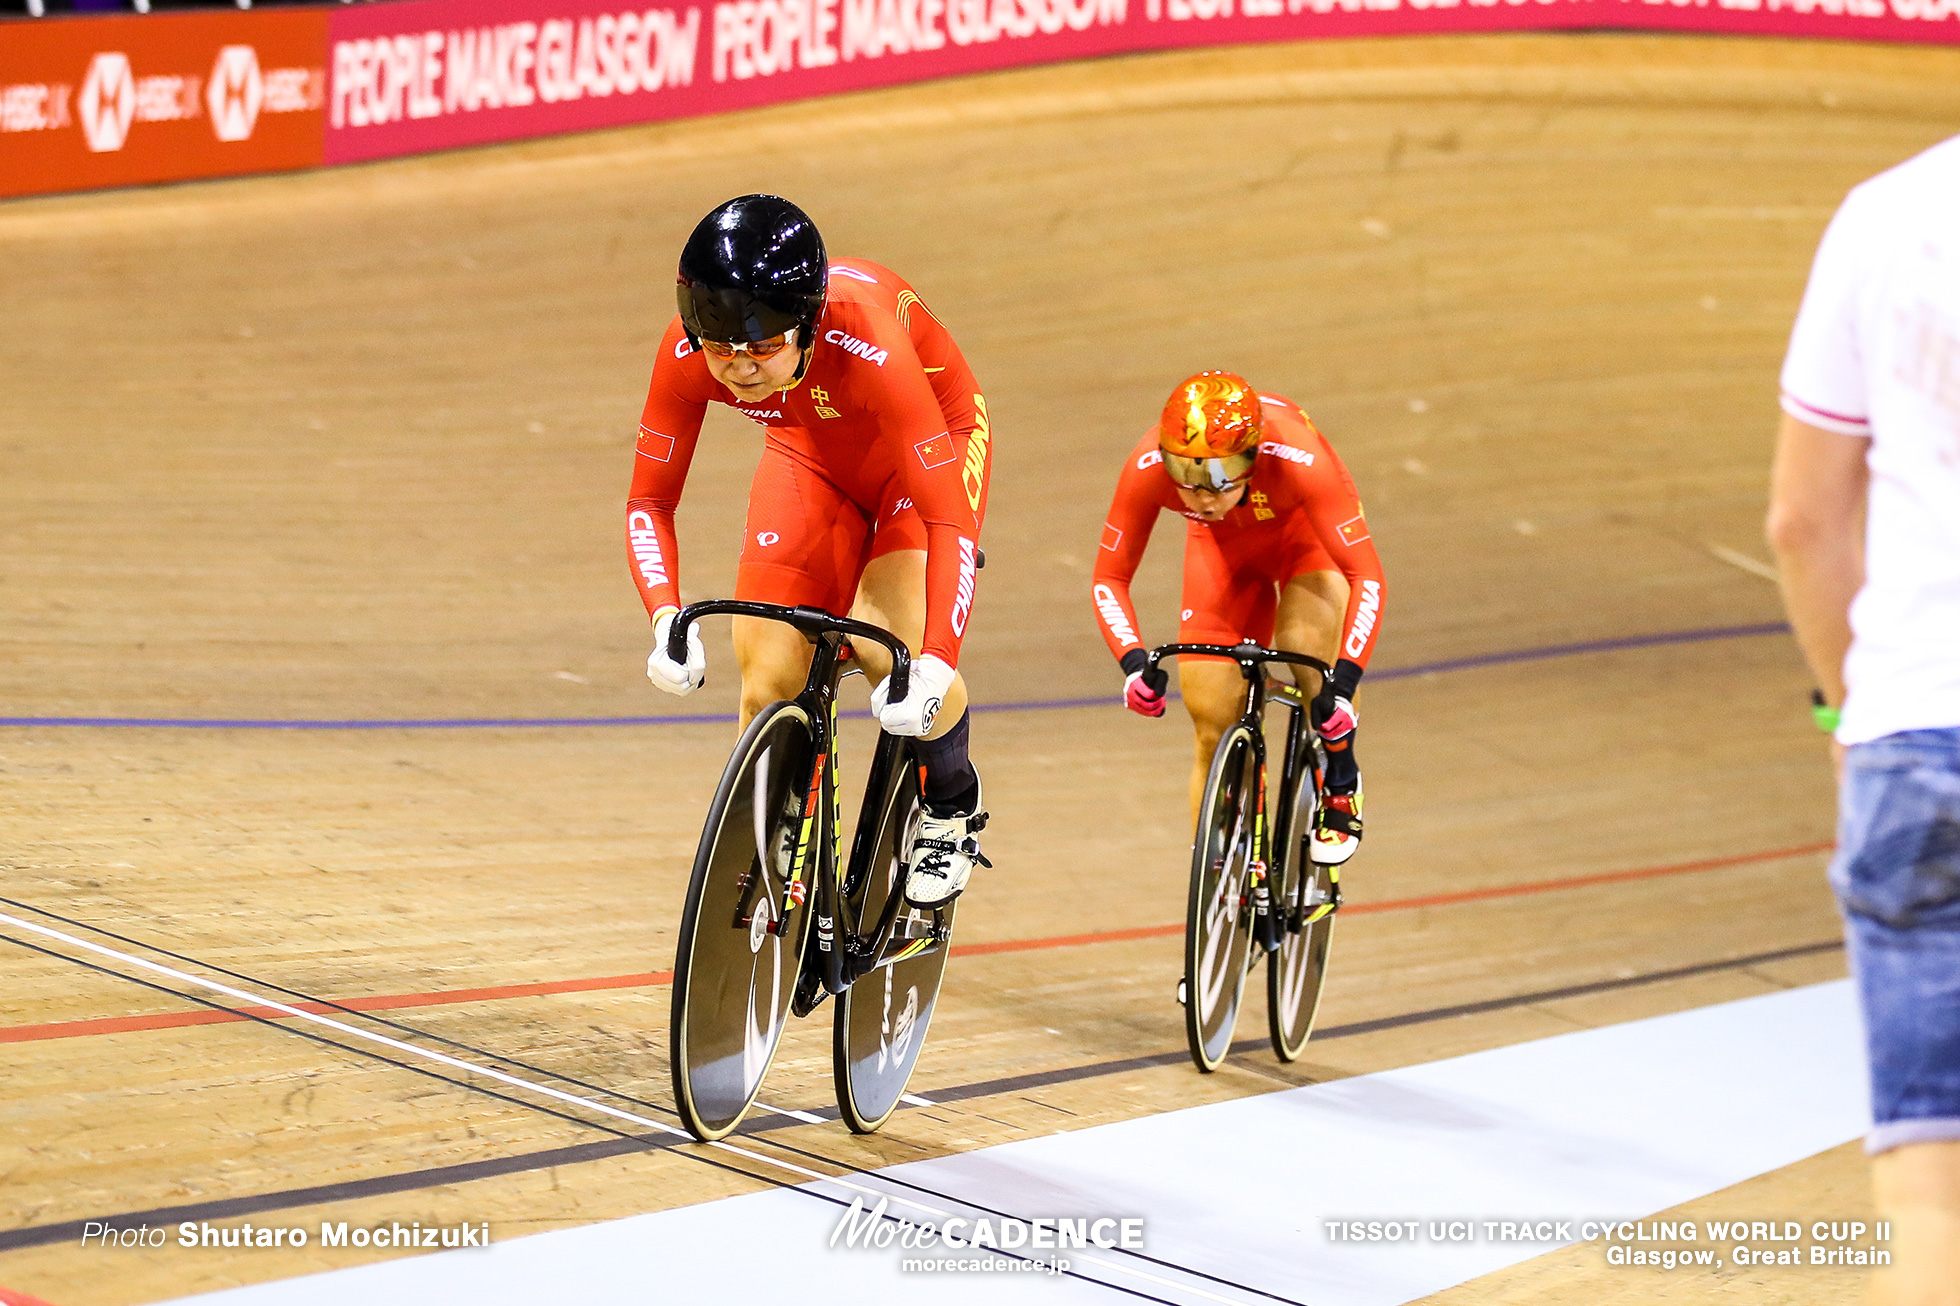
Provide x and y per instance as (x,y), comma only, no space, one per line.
(1582,881)
(391,1002)
(1065,940)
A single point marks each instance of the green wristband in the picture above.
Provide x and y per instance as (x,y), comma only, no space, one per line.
(1823,713)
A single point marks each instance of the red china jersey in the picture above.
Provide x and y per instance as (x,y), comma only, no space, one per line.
(1300,513)
(887,413)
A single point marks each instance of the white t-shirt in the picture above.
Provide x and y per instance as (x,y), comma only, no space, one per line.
(1876,352)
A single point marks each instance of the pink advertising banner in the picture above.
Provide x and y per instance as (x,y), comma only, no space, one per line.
(87,102)
(432,74)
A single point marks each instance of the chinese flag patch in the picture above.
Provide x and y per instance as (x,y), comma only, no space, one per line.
(656,446)
(1353,530)
(936,452)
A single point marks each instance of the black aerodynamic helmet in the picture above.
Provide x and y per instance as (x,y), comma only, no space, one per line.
(754,268)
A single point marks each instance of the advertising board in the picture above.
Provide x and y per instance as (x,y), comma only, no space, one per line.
(89,102)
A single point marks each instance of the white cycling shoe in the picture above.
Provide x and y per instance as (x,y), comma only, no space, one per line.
(944,852)
(1336,829)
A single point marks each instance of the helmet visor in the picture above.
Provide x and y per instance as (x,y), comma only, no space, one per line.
(1216,475)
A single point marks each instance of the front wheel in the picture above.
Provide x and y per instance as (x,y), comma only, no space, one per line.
(1296,972)
(742,934)
(881,1020)
(1218,923)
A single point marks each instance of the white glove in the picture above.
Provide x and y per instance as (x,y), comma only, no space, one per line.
(668,674)
(913,714)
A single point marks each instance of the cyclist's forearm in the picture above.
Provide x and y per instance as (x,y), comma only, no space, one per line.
(653,553)
(952,576)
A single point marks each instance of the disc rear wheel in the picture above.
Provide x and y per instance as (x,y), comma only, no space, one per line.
(1218,923)
(881,1020)
(741,940)
(1296,971)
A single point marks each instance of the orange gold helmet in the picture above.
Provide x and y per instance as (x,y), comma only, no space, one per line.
(1210,431)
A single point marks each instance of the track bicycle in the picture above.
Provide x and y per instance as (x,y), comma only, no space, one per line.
(767,878)
(1251,882)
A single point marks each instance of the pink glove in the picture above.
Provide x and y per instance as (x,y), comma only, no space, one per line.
(1340,722)
(1140,698)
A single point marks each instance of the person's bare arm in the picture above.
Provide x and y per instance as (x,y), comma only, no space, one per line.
(1817,529)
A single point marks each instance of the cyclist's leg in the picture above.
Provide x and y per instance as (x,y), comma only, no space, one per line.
(775,662)
(891,590)
(1214,695)
(804,544)
(1224,602)
(1311,606)
(892,594)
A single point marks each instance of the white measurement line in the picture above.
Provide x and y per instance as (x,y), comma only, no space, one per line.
(804,1116)
(916,1100)
(440,1059)
(1753,566)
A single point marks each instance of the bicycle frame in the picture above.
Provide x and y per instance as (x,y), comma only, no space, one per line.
(1252,659)
(844,951)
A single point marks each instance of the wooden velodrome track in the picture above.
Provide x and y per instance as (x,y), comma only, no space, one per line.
(352,446)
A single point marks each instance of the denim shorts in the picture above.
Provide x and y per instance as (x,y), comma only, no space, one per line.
(1897,880)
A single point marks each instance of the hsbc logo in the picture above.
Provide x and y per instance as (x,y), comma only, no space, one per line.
(235,93)
(108,102)
(234,96)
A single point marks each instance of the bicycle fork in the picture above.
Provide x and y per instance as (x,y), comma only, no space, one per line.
(796,888)
(1265,927)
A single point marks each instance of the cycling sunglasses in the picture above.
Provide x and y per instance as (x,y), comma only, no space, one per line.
(756,349)
(1214,475)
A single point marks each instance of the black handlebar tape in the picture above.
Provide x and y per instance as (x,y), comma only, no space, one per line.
(677,643)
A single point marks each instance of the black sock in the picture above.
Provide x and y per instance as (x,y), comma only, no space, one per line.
(1343,773)
(951,786)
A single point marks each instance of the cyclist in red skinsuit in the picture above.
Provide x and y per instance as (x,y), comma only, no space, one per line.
(868,498)
(1277,551)
(887,421)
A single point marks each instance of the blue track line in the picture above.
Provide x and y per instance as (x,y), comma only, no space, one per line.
(1037,705)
